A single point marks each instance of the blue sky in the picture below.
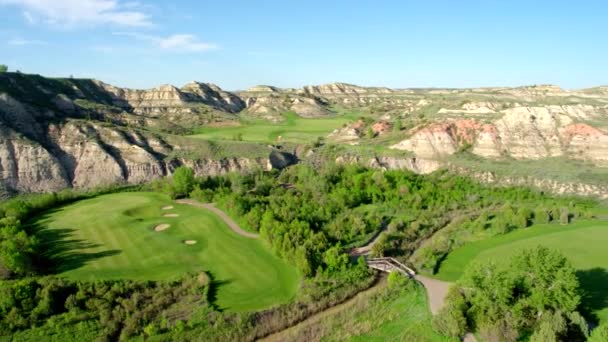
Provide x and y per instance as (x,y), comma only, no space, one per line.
(238,44)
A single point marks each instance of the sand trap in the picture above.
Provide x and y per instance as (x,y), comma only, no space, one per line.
(167,207)
(170,215)
(190,242)
(161,227)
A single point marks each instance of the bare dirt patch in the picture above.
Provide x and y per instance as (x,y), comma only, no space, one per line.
(161,227)
(170,215)
(190,242)
(167,207)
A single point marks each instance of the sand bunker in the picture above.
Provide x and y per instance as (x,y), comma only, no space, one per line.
(167,207)
(170,215)
(190,242)
(161,227)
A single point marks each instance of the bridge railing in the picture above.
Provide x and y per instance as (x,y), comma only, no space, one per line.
(388,264)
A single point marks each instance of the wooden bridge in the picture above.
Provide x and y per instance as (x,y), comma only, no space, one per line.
(390,265)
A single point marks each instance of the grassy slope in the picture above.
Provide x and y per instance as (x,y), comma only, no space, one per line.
(559,169)
(381,313)
(584,243)
(406,318)
(112,237)
(293,129)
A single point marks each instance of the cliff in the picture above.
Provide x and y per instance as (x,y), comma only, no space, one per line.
(57,133)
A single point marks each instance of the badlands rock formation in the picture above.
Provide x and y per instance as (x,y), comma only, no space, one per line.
(521,133)
(56,133)
(73,133)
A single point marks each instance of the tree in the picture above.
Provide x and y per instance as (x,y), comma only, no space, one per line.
(379,246)
(183,181)
(564,216)
(302,262)
(3,68)
(537,293)
(599,334)
(541,216)
(335,259)
(451,320)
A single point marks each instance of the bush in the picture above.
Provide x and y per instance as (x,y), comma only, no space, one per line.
(183,181)
(599,334)
(536,294)
(541,216)
(564,216)
(397,279)
(451,320)
(202,195)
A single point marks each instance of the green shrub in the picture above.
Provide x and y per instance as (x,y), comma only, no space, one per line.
(599,334)
(451,320)
(183,181)
(541,216)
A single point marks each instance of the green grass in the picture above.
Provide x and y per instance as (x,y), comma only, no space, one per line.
(112,237)
(380,313)
(406,318)
(560,169)
(583,243)
(292,129)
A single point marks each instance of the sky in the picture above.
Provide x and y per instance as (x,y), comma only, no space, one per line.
(239,44)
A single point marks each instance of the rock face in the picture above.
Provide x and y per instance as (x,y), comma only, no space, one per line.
(27,167)
(417,165)
(54,136)
(552,186)
(57,133)
(85,155)
(271,106)
(439,140)
(211,167)
(521,133)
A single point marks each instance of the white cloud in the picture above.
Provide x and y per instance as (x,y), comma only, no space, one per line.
(81,12)
(185,42)
(23,42)
(175,42)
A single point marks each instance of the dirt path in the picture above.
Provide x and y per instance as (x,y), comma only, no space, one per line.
(210,206)
(364,250)
(436,291)
(287,334)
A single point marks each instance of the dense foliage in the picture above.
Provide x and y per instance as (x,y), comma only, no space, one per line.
(56,309)
(536,294)
(112,309)
(599,334)
(312,215)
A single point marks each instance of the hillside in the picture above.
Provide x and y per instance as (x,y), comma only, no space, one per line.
(58,133)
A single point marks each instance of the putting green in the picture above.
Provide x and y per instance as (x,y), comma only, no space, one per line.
(113,237)
(583,243)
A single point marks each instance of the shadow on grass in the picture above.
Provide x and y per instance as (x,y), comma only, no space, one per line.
(61,252)
(594,283)
(214,285)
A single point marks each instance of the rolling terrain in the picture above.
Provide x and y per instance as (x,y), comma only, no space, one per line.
(130,236)
(84,133)
(290,272)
